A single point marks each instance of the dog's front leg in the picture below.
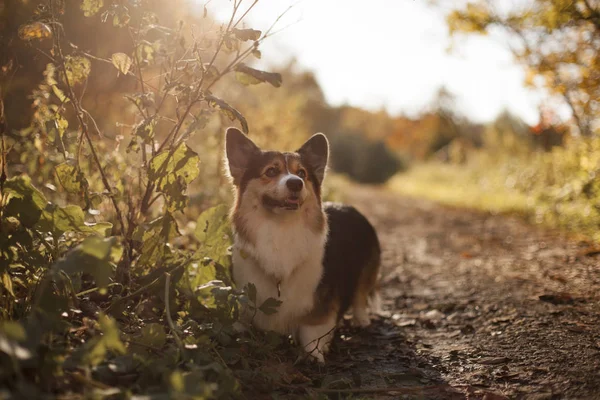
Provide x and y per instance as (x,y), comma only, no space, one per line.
(315,339)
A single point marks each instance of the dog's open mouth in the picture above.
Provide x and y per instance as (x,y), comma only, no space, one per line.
(292,202)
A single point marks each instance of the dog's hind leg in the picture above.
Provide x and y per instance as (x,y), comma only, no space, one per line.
(367,289)
(360,309)
(316,338)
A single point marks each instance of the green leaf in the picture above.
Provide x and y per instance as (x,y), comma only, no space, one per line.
(95,350)
(78,69)
(228,111)
(93,353)
(247,79)
(121,18)
(250,76)
(177,382)
(122,62)
(25,203)
(101,228)
(91,7)
(214,233)
(71,178)
(145,129)
(13,330)
(111,334)
(192,385)
(171,171)
(97,247)
(269,306)
(56,128)
(145,52)
(155,238)
(59,220)
(182,162)
(21,187)
(153,335)
(95,256)
(247,34)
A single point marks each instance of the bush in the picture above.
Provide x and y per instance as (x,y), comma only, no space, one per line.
(99,278)
(364,160)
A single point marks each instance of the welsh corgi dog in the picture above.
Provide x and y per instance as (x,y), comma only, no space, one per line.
(317,258)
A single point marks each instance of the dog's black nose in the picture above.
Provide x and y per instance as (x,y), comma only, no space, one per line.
(294,184)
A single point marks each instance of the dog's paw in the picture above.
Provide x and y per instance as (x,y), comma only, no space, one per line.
(318,353)
(317,356)
(361,320)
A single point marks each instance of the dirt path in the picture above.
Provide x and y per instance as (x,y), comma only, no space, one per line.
(462,290)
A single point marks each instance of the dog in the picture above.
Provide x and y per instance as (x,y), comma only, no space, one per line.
(317,258)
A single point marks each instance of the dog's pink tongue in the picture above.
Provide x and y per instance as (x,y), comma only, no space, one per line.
(292,203)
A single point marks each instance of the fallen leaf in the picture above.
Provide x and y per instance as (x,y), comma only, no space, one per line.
(557,298)
(493,360)
(589,251)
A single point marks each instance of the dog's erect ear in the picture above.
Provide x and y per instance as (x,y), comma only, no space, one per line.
(315,153)
(239,149)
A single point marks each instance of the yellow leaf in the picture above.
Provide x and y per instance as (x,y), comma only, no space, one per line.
(7,282)
(122,62)
(91,7)
(177,381)
(78,69)
(35,30)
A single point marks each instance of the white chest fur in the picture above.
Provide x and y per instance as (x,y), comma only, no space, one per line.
(285,253)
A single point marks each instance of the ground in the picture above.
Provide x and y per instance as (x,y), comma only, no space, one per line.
(477,306)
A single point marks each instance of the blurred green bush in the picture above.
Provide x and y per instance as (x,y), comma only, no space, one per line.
(364,160)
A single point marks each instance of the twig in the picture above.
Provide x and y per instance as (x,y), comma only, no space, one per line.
(169,319)
(398,389)
(177,127)
(269,31)
(131,295)
(175,130)
(137,66)
(95,289)
(79,113)
(108,61)
(245,13)
(150,347)
(88,381)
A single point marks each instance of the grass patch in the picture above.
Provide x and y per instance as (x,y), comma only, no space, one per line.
(462,186)
(495,190)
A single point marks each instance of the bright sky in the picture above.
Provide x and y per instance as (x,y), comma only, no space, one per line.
(391,54)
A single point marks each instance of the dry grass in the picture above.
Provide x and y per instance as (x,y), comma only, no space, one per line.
(462,187)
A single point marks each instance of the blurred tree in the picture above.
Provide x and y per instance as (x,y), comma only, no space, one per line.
(557,40)
(435,131)
(507,134)
(549,132)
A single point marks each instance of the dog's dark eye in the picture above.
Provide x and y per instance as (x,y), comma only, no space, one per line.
(272,172)
(301,174)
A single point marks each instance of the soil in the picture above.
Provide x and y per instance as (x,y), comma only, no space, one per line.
(476,306)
